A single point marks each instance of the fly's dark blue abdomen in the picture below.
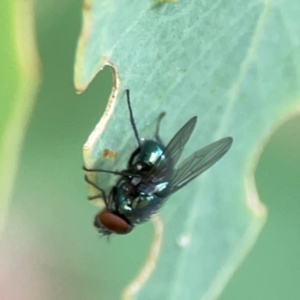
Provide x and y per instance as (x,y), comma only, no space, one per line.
(151,151)
(146,161)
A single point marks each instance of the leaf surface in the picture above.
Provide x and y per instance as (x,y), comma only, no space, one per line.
(19,81)
(233,64)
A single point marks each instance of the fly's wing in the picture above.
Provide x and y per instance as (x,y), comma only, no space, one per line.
(173,151)
(175,147)
(198,162)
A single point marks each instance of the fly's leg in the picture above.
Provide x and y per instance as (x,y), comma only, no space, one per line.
(102,193)
(122,173)
(133,155)
(157,137)
(102,171)
(132,119)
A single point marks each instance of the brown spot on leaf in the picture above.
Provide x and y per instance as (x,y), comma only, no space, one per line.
(108,154)
(87,5)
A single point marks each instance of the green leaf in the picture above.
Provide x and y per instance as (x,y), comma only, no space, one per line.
(19,80)
(233,64)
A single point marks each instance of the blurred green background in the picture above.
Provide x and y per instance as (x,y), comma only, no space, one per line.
(50,249)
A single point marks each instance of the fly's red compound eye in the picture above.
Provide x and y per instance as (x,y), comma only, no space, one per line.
(113,222)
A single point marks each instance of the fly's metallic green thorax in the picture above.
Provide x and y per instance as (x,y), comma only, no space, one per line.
(136,207)
(138,198)
(151,176)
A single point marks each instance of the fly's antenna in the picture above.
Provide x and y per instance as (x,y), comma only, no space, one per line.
(132,119)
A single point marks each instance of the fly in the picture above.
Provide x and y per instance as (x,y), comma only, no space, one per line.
(151,176)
